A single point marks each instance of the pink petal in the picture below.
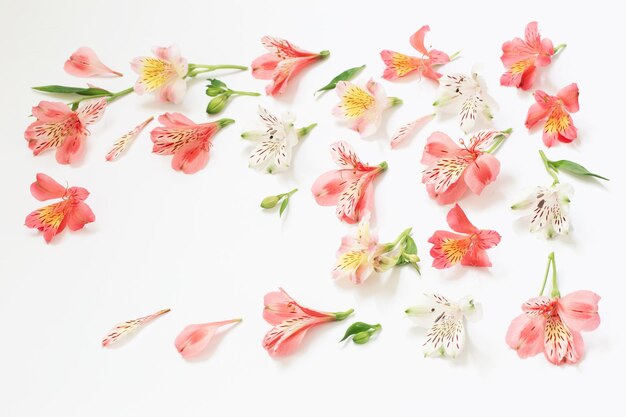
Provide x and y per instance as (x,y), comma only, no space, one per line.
(91,111)
(287,346)
(79,216)
(476,256)
(263,67)
(45,188)
(175,120)
(417,39)
(194,339)
(191,158)
(536,113)
(71,150)
(550,139)
(451,195)
(569,96)
(458,221)
(525,335)
(85,63)
(439,145)
(329,186)
(579,310)
(438,57)
(488,238)
(408,129)
(483,171)
(528,78)
(174,92)
(51,111)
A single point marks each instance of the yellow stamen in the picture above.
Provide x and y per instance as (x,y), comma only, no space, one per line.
(455,249)
(357,101)
(156,73)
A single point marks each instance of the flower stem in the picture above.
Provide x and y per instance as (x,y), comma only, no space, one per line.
(383,166)
(244,93)
(324,54)
(342,315)
(303,131)
(402,236)
(119,94)
(555,285)
(289,194)
(498,140)
(545,277)
(455,55)
(195,69)
(559,48)
(546,164)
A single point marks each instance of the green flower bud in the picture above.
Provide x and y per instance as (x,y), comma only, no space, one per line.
(217,104)
(361,338)
(270,202)
(214,91)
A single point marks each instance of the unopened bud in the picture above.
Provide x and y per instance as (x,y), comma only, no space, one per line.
(270,202)
(217,104)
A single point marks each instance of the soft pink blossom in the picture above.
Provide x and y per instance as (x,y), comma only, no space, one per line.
(85,63)
(164,74)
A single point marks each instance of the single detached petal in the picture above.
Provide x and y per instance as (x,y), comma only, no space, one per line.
(123,143)
(123,329)
(85,63)
(407,130)
(195,338)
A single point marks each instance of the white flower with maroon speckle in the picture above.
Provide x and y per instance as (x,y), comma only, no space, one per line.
(549,209)
(445,321)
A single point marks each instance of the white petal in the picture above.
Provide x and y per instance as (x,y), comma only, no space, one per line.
(444,173)
(470,109)
(446,337)
(530,196)
(428,308)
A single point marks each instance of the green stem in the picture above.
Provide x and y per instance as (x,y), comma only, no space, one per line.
(324,54)
(120,94)
(555,285)
(455,55)
(303,131)
(195,69)
(342,315)
(289,194)
(110,97)
(559,48)
(402,236)
(244,93)
(546,164)
(545,277)
(383,166)
(498,140)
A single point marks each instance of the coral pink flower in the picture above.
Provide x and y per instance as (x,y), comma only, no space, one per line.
(187,141)
(553,326)
(196,337)
(555,110)
(283,61)
(467,246)
(291,322)
(85,63)
(452,169)
(164,74)
(58,127)
(521,57)
(71,211)
(363,106)
(399,65)
(350,188)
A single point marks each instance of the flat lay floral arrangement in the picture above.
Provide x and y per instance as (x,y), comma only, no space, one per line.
(454,164)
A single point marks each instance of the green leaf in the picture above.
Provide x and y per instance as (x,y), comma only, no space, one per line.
(94,91)
(344,76)
(574,169)
(217,83)
(61,89)
(358,327)
(283,206)
(409,253)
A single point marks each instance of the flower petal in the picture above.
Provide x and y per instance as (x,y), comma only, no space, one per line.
(482,172)
(458,221)
(417,39)
(579,310)
(407,130)
(525,335)
(446,337)
(123,329)
(569,96)
(91,111)
(439,145)
(45,188)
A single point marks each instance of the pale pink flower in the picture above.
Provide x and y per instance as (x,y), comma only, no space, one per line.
(196,337)
(85,63)
(164,74)
(291,322)
(58,127)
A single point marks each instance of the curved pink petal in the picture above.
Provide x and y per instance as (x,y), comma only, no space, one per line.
(191,157)
(482,172)
(175,120)
(91,111)
(458,221)
(569,96)
(51,111)
(286,346)
(85,63)
(476,256)
(45,188)
(174,92)
(329,186)
(579,310)
(439,145)
(437,57)
(194,339)
(451,195)
(525,335)
(263,67)
(79,215)
(417,39)
(528,78)
(448,248)
(488,238)
(536,113)
(71,150)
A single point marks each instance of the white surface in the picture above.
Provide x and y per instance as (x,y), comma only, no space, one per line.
(200,245)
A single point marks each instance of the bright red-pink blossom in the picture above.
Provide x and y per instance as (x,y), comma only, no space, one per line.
(555,110)
(553,326)
(71,211)
(85,63)
(59,127)
(468,246)
(399,65)
(350,188)
(521,57)
(187,141)
(291,321)
(283,61)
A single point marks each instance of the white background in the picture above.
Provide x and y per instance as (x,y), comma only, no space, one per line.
(201,246)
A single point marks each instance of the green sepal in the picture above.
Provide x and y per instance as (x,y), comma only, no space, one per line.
(347,75)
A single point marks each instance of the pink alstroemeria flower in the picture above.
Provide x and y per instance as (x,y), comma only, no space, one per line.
(467,246)
(555,110)
(283,61)
(521,57)
(291,322)
(85,63)
(71,211)
(553,326)
(58,127)
(350,188)
(163,74)
(363,106)
(452,169)
(399,65)
(187,141)
(196,337)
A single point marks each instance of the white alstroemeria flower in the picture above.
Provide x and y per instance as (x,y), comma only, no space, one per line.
(275,143)
(445,321)
(549,207)
(466,96)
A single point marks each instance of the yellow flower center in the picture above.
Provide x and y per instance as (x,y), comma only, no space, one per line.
(357,101)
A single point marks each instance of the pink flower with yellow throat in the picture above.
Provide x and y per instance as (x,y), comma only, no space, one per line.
(453,169)
(468,246)
(521,57)
(555,110)
(61,128)
(363,106)
(291,321)
(350,188)
(552,325)
(281,63)
(71,211)
(400,65)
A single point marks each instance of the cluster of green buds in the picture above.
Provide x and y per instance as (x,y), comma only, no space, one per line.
(221,94)
(272,201)
(402,251)
(360,332)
